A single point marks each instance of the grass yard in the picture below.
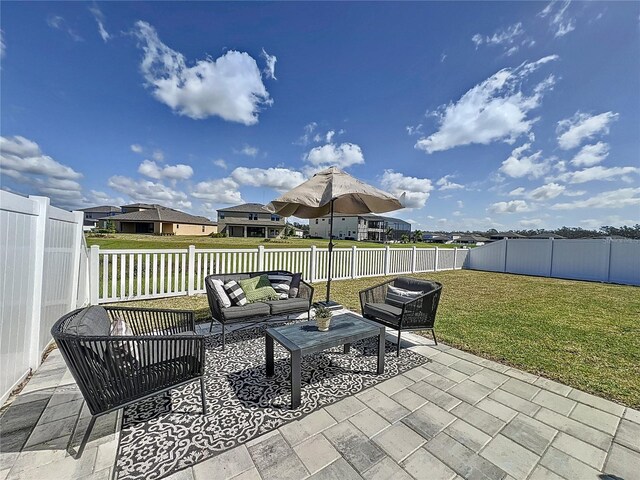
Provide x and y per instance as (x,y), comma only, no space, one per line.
(134,241)
(583,334)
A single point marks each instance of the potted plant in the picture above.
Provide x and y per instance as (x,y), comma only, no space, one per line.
(323,318)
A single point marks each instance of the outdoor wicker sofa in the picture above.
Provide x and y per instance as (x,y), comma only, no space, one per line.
(418,313)
(113,371)
(258,311)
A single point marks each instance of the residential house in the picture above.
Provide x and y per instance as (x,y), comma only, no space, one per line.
(250,220)
(548,235)
(472,239)
(503,235)
(159,220)
(364,227)
(93,214)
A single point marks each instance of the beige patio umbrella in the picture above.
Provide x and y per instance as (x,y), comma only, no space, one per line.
(333,191)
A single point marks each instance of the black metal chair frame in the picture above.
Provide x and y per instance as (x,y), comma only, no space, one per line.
(104,388)
(305,291)
(418,314)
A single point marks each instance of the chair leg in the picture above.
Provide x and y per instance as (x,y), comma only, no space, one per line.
(398,351)
(85,438)
(433,332)
(204,401)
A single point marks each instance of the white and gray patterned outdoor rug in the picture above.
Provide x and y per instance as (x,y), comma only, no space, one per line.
(168,432)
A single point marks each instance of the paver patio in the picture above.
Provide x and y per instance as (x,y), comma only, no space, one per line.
(457,416)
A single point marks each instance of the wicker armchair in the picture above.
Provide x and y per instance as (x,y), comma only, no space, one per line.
(417,314)
(116,371)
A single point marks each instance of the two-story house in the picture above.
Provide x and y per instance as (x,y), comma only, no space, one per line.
(367,227)
(93,214)
(250,220)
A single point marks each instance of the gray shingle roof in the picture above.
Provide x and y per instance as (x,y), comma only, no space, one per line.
(246,208)
(102,208)
(158,213)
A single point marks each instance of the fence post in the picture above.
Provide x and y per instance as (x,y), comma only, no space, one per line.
(413,259)
(354,262)
(260,258)
(387,260)
(506,244)
(77,245)
(455,257)
(38,273)
(94,273)
(435,257)
(191,270)
(312,264)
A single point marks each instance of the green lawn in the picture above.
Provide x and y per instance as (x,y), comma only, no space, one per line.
(582,334)
(131,241)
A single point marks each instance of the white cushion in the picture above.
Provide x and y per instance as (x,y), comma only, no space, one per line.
(219,287)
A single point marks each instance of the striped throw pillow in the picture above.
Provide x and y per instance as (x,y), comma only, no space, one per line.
(235,293)
(399,296)
(281,284)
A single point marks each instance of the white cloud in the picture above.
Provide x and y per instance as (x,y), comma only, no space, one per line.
(136,148)
(22,156)
(460,204)
(512,206)
(220,163)
(59,23)
(331,154)
(416,190)
(590,155)
(508,38)
(443,57)
(146,191)
(158,155)
(229,87)
(3,46)
(495,109)
(248,150)
(99,18)
(520,165)
(582,126)
(623,197)
(532,222)
(547,192)
(151,169)
(599,173)
(517,192)
(270,69)
(417,130)
(222,190)
(307,137)
(457,213)
(559,21)
(446,184)
(281,179)
(329,136)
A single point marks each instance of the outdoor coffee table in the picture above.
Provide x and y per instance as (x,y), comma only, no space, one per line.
(304,339)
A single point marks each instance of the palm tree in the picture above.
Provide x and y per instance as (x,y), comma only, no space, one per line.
(418,236)
(387,233)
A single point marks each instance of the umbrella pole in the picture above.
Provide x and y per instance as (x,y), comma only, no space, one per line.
(330,254)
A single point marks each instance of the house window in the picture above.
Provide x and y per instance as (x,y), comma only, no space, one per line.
(221,216)
(253,216)
(177,225)
(275,218)
(202,228)
(343,219)
(323,219)
(316,221)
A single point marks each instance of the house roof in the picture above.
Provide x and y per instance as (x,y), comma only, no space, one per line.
(158,213)
(102,208)
(142,205)
(246,208)
(547,235)
(472,238)
(507,235)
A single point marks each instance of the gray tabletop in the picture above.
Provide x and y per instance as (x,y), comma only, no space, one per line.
(344,328)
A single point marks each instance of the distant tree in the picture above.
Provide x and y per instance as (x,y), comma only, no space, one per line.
(624,231)
(302,226)
(576,232)
(418,236)
(388,233)
(111,226)
(404,238)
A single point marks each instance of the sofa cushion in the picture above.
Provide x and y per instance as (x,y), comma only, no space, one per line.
(383,311)
(235,293)
(294,288)
(289,305)
(257,309)
(398,296)
(90,322)
(415,284)
(217,286)
(281,283)
(258,289)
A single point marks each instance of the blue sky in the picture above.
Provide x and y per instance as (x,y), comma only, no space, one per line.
(488,115)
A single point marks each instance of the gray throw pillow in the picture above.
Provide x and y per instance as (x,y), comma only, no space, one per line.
(399,296)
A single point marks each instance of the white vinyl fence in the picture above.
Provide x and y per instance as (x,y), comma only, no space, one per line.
(602,260)
(121,275)
(43,275)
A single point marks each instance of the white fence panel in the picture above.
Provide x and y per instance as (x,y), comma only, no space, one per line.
(426,260)
(400,261)
(445,259)
(370,262)
(40,253)
(462,257)
(529,256)
(625,262)
(601,260)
